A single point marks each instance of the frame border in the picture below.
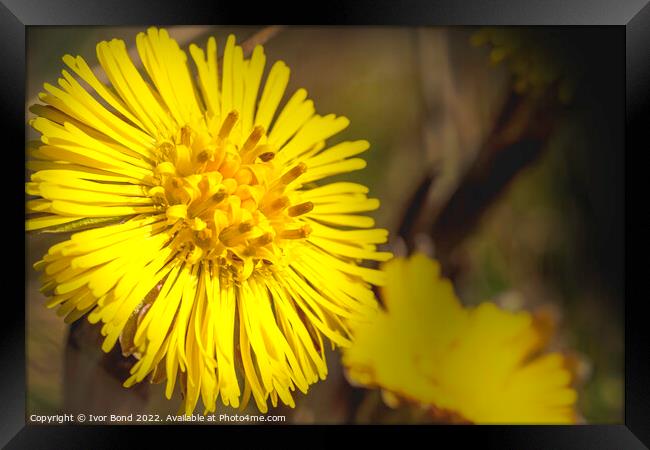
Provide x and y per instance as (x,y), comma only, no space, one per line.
(634,15)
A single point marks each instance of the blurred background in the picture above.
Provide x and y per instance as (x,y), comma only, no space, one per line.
(497,151)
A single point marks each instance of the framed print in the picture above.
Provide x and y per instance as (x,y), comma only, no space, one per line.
(411,219)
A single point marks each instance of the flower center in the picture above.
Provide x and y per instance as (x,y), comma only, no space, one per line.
(226,202)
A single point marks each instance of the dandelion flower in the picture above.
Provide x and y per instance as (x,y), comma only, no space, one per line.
(213,255)
(478,365)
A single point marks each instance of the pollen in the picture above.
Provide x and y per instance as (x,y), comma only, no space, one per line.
(224,183)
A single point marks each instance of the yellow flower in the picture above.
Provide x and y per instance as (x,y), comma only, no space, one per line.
(481,365)
(213,255)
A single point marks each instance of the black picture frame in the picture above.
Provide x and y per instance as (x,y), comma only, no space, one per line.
(632,15)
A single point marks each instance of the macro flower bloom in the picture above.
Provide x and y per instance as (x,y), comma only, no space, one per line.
(212,254)
(478,365)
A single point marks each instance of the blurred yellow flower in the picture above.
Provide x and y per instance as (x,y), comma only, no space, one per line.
(213,254)
(479,365)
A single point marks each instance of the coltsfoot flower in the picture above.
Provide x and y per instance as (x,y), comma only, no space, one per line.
(213,256)
(479,365)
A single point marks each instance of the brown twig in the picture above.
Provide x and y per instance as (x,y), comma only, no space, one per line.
(453,129)
(260,37)
(517,139)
